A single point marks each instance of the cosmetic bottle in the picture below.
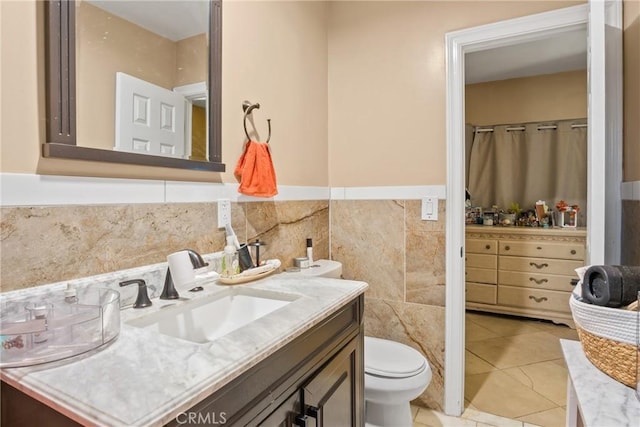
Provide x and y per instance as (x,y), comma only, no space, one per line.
(310,251)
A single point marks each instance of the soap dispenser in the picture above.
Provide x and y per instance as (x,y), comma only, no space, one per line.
(230,266)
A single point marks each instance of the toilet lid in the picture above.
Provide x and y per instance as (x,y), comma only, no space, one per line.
(391,359)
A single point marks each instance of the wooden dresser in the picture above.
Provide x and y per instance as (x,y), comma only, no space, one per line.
(523,271)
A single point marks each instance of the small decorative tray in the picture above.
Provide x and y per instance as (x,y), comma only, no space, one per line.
(244,278)
(36,330)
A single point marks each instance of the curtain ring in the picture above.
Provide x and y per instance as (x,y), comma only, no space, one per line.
(248,107)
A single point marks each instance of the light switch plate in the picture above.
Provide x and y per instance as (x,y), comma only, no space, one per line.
(224,212)
(430,208)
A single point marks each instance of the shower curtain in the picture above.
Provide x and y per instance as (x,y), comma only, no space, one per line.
(524,166)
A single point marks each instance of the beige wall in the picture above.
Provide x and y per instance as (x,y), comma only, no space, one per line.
(274,53)
(631,44)
(539,98)
(387,85)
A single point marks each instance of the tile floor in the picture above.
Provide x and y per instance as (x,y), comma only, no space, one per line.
(515,374)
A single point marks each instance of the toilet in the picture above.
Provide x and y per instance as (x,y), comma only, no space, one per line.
(394,373)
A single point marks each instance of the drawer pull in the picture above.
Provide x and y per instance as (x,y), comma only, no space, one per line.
(506,248)
(539,248)
(538,266)
(488,247)
(573,251)
(538,281)
(538,299)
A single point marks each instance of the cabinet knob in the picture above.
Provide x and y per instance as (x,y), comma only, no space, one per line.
(506,248)
(538,299)
(538,281)
(488,247)
(573,251)
(538,266)
(539,248)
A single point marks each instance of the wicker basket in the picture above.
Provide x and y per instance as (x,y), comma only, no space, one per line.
(608,338)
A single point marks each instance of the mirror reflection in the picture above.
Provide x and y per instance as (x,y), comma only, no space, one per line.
(142,69)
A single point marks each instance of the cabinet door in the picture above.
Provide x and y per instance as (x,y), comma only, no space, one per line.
(285,415)
(333,396)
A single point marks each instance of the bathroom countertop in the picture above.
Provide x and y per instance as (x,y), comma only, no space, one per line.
(602,400)
(143,378)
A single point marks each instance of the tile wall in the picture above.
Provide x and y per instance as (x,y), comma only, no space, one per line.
(402,258)
(41,245)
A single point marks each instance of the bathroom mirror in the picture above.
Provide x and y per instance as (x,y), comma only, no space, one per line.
(85,114)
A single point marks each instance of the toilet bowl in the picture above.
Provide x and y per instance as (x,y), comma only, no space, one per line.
(394,373)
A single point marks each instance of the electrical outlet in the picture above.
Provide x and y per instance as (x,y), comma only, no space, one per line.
(224,212)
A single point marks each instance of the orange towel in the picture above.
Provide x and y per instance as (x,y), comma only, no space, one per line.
(255,172)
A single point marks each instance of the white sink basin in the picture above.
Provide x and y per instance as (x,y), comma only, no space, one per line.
(208,318)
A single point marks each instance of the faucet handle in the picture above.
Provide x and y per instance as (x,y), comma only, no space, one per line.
(143,297)
(169,290)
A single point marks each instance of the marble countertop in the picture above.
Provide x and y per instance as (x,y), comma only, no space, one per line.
(144,378)
(602,400)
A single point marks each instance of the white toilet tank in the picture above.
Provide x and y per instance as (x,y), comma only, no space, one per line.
(320,268)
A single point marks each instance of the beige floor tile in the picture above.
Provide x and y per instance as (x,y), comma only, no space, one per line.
(498,393)
(414,411)
(475,332)
(415,424)
(503,326)
(551,418)
(560,331)
(546,378)
(483,418)
(517,350)
(475,365)
(432,418)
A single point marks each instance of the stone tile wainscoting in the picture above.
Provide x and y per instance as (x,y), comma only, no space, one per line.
(402,258)
(45,244)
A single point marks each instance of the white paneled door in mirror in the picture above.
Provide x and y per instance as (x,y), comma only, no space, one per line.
(149,118)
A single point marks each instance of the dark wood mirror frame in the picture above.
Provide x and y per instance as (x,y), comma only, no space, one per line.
(61,95)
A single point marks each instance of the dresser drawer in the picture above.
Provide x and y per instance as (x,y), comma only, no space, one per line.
(481,246)
(481,261)
(482,293)
(482,275)
(539,265)
(536,280)
(534,298)
(542,249)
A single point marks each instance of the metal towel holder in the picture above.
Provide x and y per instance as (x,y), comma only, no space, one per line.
(248,107)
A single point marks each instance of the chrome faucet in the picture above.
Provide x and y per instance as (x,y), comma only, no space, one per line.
(169,290)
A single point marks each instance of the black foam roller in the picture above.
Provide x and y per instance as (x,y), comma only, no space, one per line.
(611,285)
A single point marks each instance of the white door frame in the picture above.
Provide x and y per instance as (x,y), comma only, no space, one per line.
(458,43)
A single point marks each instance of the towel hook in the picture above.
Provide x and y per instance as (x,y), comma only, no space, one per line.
(248,107)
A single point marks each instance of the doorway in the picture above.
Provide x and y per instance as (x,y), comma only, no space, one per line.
(601,164)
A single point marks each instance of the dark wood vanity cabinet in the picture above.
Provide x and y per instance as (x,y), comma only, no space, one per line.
(316,380)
